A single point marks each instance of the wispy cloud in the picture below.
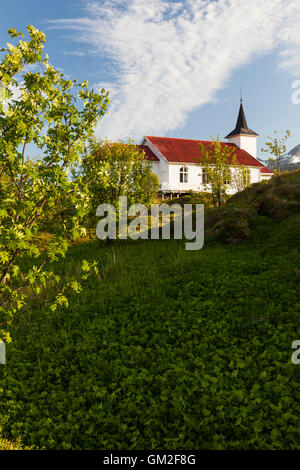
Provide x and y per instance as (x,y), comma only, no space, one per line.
(172,57)
(76,53)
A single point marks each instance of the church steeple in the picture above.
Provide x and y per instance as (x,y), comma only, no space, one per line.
(241,125)
(241,135)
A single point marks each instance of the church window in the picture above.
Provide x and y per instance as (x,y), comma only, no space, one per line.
(183,172)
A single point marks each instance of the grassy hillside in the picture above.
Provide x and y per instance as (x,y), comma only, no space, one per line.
(166,348)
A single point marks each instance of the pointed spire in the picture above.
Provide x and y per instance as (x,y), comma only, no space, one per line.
(241,124)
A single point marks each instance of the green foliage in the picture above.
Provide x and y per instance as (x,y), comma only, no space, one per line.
(11,445)
(48,116)
(193,197)
(109,170)
(219,163)
(276,147)
(163,348)
(151,186)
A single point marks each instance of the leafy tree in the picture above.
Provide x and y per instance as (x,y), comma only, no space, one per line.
(47,116)
(219,164)
(276,147)
(151,185)
(109,170)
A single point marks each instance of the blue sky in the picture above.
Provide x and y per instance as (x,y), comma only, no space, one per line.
(176,68)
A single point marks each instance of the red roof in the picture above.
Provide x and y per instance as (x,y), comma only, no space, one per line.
(266,170)
(149,154)
(186,150)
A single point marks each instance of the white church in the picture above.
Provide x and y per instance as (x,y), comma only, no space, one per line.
(174,161)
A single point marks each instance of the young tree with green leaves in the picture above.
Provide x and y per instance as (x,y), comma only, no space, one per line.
(151,186)
(240,177)
(55,116)
(219,164)
(276,147)
(110,170)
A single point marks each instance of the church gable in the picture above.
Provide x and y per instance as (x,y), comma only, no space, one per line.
(148,153)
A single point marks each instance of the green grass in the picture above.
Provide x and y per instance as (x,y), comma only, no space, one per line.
(166,349)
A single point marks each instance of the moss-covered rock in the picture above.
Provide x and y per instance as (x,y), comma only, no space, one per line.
(229,224)
(288,191)
(275,207)
(276,199)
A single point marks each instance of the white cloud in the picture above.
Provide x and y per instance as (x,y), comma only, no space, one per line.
(76,53)
(173,57)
